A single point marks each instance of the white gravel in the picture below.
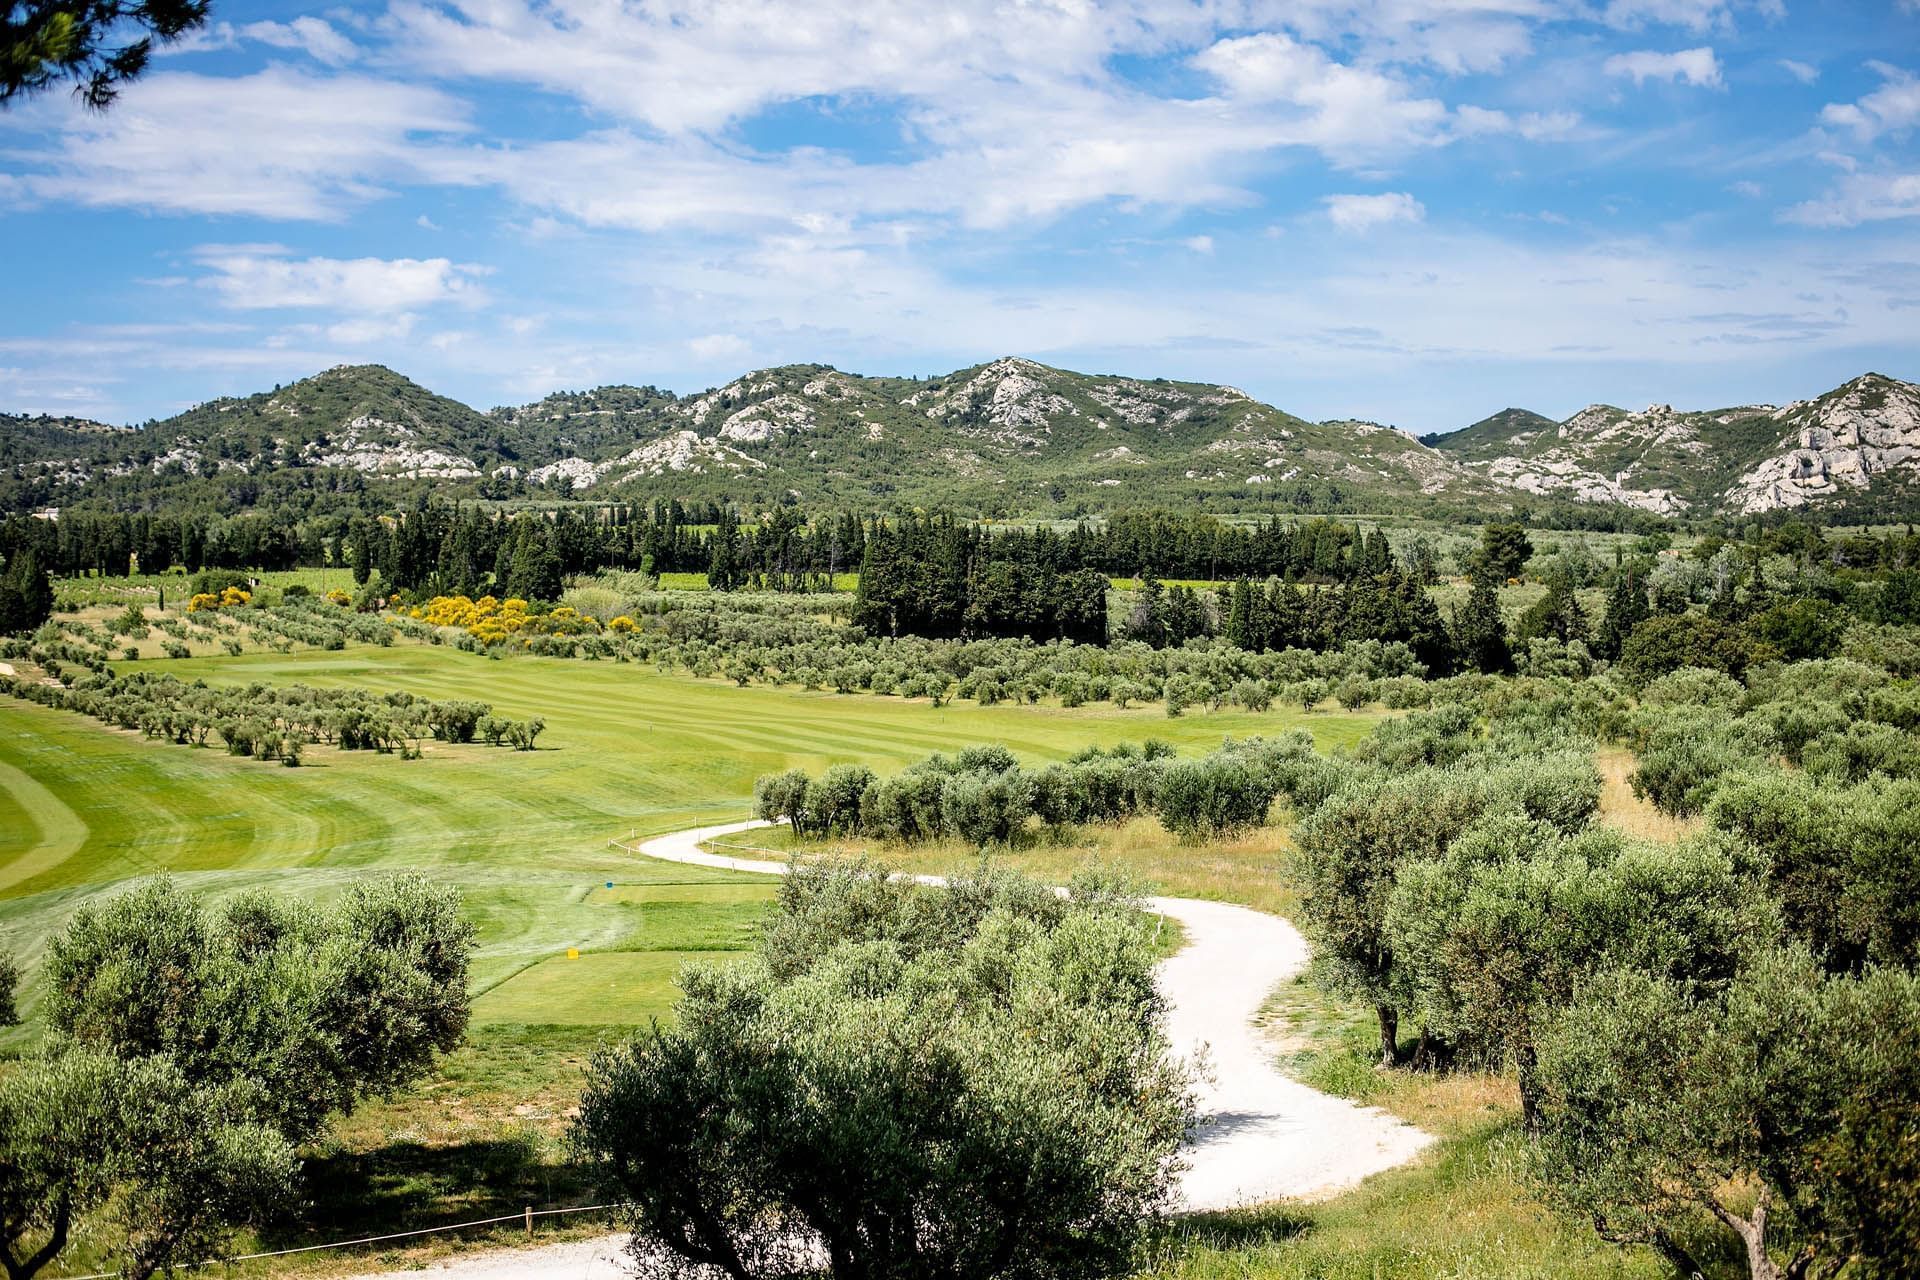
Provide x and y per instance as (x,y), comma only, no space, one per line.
(1267,1137)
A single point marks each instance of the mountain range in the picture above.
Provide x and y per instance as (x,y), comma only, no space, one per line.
(1012,434)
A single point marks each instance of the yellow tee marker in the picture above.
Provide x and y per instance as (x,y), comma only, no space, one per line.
(573,953)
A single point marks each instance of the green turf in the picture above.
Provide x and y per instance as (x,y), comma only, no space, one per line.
(589,990)
(524,835)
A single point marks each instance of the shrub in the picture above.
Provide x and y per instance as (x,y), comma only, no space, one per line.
(1215,796)
(990,1067)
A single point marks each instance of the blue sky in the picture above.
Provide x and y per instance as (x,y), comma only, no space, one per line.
(1414,211)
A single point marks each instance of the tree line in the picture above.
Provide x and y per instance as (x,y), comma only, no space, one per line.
(275,724)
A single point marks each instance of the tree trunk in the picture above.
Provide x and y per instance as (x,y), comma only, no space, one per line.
(1389,1034)
(1752,1231)
(1528,1061)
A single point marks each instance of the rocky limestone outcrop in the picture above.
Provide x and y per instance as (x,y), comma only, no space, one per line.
(1839,442)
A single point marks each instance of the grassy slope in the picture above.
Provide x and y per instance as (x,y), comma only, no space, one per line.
(627,749)
(83,809)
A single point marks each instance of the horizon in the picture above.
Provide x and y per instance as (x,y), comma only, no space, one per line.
(1410,213)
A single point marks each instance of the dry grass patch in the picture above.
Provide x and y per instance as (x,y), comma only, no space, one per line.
(1622,809)
(1247,869)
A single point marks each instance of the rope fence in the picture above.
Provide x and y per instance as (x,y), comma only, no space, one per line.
(527,1216)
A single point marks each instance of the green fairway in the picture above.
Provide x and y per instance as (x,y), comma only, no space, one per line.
(525,835)
(589,990)
(86,810)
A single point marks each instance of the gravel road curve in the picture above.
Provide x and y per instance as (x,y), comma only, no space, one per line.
(1268,1137)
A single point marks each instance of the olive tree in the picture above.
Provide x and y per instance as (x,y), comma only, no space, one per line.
(990,1096)
(9,983)
(1777,1113)
(1216,795)
(313,1011)
(1351,848)
(1500,932)
(164,1166)
(1839,860)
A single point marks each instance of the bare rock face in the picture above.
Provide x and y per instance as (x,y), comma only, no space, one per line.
(1745,459)
(1008,402)
(374,446)
(1841,441)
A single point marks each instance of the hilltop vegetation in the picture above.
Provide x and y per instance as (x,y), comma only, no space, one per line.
(1009,437)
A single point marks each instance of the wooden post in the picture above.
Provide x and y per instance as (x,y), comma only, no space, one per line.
(529,1222)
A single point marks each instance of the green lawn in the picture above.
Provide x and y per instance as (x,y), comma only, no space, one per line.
(84,809)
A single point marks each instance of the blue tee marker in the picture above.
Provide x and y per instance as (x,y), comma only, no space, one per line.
(609,884)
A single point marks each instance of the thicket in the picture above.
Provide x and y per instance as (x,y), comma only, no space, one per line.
(983,796)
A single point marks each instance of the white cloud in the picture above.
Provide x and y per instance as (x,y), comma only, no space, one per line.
(1751,190)
(713,348)
(1534,126)
(1861,197)
(1354,213)
(1804,72)
(1694,66)
(263,277)
(1696,15)
(1892,108)
(314,36)
(1342,109)
(276,144)
(425,223)
(1199,244)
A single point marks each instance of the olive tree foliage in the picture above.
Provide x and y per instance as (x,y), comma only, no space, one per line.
(9,986)
(162,1164)
(1687,751)
(313,1011)
(905,1082)
(1499,932)
(1776,1113)
(1351,848)
(1840,861)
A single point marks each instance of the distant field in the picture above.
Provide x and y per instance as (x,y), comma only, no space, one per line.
(147,587)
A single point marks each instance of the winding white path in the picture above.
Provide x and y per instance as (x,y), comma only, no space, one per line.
(1268,1137)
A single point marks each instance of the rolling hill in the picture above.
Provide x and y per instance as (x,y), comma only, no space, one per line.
(1010,435)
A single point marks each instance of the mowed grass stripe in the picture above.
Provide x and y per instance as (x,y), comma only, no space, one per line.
(523,835)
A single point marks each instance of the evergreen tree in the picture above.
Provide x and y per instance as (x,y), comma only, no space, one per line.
(1627,608)
(1479,631)
(26,593)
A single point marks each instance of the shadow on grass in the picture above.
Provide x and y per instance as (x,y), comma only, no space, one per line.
(407,1185)
(1232,1229)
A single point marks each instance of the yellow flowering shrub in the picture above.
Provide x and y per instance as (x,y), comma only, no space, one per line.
(622,624)
(339,597)
(206,600)
(492,621)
